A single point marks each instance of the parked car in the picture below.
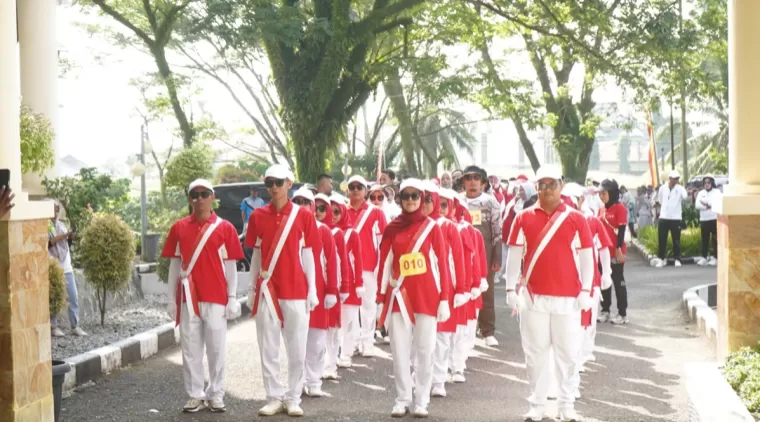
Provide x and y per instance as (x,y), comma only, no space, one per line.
(230,197)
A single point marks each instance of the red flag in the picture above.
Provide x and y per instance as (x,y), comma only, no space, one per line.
(653,169)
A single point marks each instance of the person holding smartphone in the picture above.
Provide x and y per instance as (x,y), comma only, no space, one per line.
(58,247)
(6,200)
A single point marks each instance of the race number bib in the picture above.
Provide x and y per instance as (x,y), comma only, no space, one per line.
(477,219)
(412,264)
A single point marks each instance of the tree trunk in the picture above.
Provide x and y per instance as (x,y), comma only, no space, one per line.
(395,92)
(530,152)
(102,305)
(188,132)
(310,150)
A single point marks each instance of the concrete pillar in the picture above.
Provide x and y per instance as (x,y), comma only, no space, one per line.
(38,51)
(739,211)
(25,348)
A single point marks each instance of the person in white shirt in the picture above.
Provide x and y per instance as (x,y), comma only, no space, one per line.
(670,197)
(708,220)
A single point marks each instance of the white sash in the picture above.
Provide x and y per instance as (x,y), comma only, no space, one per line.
(452,271)
(365,216)
(396,294)
(545,241)
(183,274)
(338,262)
(277,250)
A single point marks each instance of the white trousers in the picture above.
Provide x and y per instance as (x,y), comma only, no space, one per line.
(294,333)
(315,357)
(209,332)
(540,332)
(460,349)
(472,330)
(368,312)
(423,334)
(332,349)
(442,357)
(349,330)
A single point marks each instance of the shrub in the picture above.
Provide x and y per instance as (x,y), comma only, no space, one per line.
(196,162)
(37,135)
(106,252)
(742,371)
(162,268)
(691,241)
(57,286)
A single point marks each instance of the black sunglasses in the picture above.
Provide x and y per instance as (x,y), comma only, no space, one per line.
(272,182)
(321,208)
(355,186)
(301,201)
(551,185)
(377,197)
(428,199)
(195,195)
(336,211)
(407,196)
(444,204)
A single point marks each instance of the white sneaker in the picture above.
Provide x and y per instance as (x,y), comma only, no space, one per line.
(420,411)
(399,411)
(272,408)
(314,391)
(492,342)
(458,378)
(702,262)
(568,414)
(294,409)
(619,320)
(677,263)
(344,362)
(535,414)
(57,332)
(711,261)
(387,340)
(438,391)
(194,405)
(659,263)
(368,351)
(331,376)
(603,317)
(217,405)
(78,332)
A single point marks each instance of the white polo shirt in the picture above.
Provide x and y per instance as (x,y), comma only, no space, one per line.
(670,201)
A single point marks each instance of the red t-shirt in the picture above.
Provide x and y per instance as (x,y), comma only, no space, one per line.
(601,241)
(373,227)
(287,277)
(208,272)
(327,277)
(612,219)
(555,272)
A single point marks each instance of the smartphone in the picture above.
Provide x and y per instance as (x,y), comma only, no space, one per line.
(5,177)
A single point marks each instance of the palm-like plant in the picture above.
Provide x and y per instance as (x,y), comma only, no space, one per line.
(440,136)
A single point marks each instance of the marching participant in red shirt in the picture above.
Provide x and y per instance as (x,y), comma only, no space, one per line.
(369,222)
(348,335)
(327,292)
(554,289)
(414,296)
(615,218)
(203,250)
(283,290)
(324,215)
(480,270)
(435,207)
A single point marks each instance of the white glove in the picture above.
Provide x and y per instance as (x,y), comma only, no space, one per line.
(512,300)
(312,301)
(444,313)
(467,296)
(171,309)
(459,300)
(606,281)
(330,301)
(343,297)
(584,301)
(475,292)
(360,291)
(483,285)
(233,309)
(251,295)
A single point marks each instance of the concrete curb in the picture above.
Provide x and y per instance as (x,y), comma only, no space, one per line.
(710,397)
(91,365)
(644,252)
(701,313)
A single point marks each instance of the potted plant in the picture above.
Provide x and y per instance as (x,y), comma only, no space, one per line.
(57,299)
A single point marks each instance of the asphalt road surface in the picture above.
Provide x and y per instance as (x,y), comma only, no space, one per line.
(638,374)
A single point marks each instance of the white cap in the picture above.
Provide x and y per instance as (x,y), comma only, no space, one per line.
(573,190)
(549,171)
(358,179)
(674,174)
(304,193)
(322,197)
(412,183)
(203,183)
(338,199)
(447,193)
(430,186)
(376,188)
(279,171)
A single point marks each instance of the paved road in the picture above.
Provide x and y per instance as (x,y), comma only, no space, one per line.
(638,375)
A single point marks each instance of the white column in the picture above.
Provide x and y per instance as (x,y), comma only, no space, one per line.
(742,194)
(38,53)
(10,149)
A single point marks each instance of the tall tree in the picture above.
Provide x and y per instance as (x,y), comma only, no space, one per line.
(152,23)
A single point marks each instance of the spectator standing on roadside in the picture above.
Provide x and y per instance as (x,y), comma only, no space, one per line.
(670,197)
(58,247)
(249,204)
(708,220)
